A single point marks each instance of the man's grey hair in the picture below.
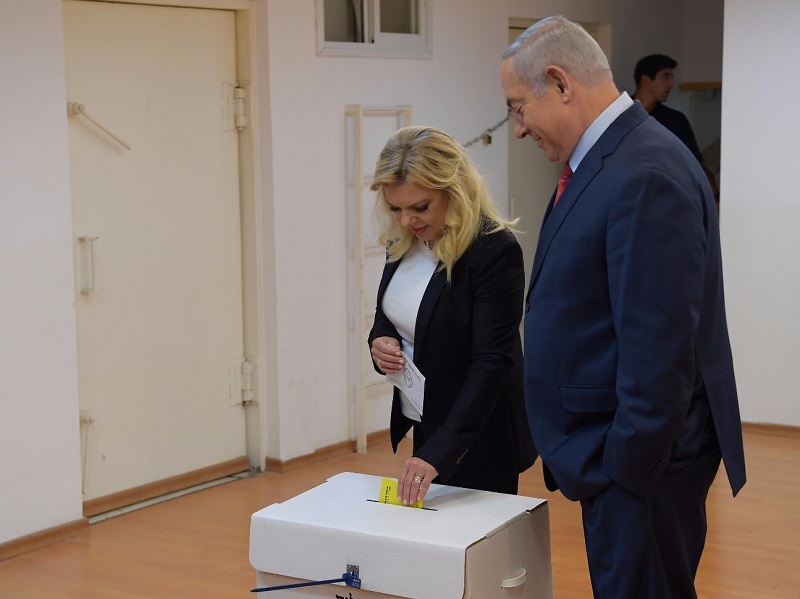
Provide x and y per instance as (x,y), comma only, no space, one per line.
(560,42)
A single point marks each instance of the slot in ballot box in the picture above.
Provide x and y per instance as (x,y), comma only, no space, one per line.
(462,544)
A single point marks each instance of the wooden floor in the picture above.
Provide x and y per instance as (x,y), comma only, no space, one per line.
(197,545)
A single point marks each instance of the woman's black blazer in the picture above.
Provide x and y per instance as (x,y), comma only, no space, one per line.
(474,429)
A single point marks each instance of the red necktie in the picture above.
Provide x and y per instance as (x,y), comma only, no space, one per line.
(562,182)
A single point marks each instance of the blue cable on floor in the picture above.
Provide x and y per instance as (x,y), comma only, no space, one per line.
(351,580)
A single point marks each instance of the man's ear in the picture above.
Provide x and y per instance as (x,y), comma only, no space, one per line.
(561,80)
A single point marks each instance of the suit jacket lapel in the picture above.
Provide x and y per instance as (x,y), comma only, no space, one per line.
(591,164)
(429,299)
(554,216)
(388,272)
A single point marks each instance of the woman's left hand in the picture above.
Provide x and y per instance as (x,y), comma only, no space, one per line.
(415,480)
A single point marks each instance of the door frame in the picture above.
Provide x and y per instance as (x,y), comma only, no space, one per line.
(257,214)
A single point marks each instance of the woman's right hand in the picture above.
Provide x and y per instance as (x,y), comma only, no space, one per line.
(386,355)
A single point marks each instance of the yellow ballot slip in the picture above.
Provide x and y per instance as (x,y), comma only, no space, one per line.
(388,493)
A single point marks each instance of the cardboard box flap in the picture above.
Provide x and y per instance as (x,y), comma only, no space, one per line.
(315,535)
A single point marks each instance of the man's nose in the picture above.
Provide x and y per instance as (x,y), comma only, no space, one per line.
(520,131)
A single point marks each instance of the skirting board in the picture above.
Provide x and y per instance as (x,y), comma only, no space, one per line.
(345,447)
(776,430)
(115,501)
(44,538)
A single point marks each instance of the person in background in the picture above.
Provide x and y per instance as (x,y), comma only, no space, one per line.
(654,81)
(629,380)
(450,298)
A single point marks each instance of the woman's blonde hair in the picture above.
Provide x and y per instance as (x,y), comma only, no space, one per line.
(431,158)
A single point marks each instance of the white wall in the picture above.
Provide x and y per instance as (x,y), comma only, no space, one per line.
(39,441)
(301,132)
(761,204)
(458,91)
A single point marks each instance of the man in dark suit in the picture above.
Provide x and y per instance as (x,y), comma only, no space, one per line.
(654,81)
(629,382)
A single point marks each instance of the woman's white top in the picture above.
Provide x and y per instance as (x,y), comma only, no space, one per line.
(402,299)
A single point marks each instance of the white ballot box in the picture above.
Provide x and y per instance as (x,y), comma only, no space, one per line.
(461,544)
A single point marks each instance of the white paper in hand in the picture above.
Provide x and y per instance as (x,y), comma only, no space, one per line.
(411,382)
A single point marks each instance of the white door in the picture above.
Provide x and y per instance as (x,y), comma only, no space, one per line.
(158,240)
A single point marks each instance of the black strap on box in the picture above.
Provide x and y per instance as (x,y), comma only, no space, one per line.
(350,578)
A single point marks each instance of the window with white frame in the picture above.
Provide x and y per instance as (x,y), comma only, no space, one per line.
(378,28)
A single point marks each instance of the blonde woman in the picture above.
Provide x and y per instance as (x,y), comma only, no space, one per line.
(451,299)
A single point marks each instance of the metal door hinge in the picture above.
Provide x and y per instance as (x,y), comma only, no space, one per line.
(240,120)
(240,386)
(247,382)
(233,107)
